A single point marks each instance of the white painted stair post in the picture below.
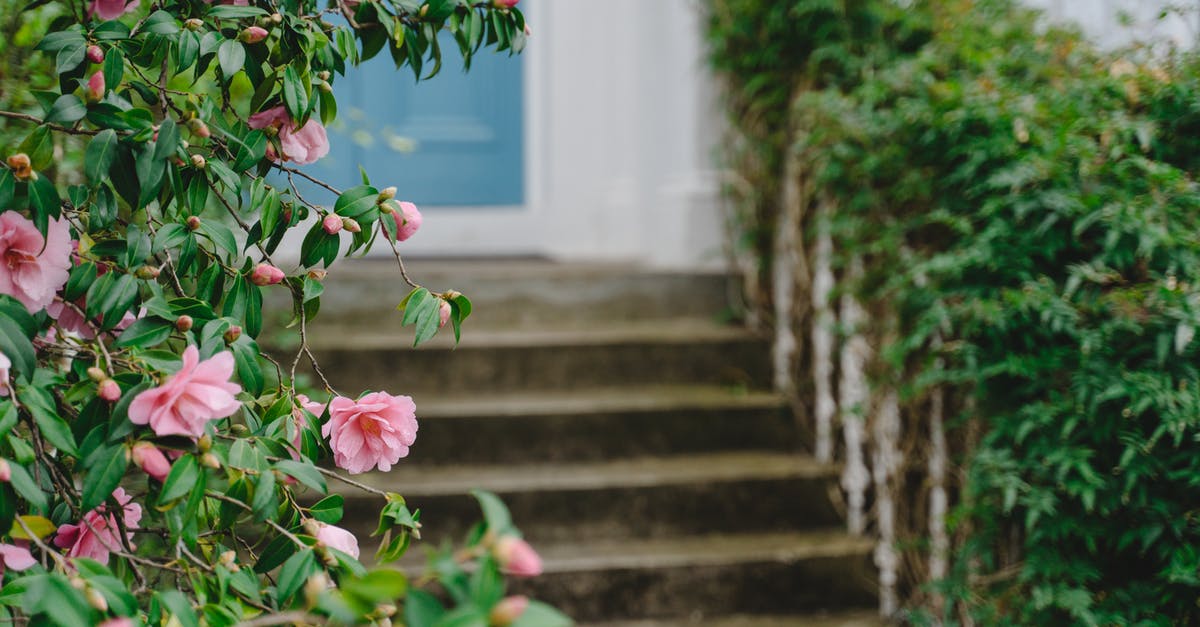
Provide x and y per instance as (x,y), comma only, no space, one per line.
(823,340)
(855,400)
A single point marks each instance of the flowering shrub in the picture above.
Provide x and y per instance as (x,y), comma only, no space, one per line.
(155,466)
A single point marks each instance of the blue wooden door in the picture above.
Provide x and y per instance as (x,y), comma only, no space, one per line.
(456,139)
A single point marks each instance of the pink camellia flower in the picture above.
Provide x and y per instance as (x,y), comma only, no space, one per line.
(34,267)
(408,220)
(95,87)
(110,9)
(151,460)
(375,430)
(15,557)
(266,274)
(97,535)
(508,610)
(332,224)
(303,145)
(69,319)
(516,557)
(335,537)
(188,399)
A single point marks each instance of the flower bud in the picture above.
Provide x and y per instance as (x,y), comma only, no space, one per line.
(5,471)
(95,54)
(199,128)
(184,323)
(22,168)
(508,610)
(95,599)
(193,222)
(194,24)
(332,224)
(505,4)
(78,583)
(109,390)
(443,313)
(253,34)
(151,460)
(386,609)
(388,208)
(233,334)
(386,194)
(208,460)
(318,274)
(96,374)
(350,224)
(408,220)
(199,162)
(516,557)
(324,75)
(314,586)
(228,559)
(276,18)
(95,88)
(266,274)
(325,87)
(146,273)
(204,443)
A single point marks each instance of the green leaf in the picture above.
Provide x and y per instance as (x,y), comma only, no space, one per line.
(45,414)
(114,69)
(265,500)
(45,199)
(180,481)
(495,513)
(538,614)
(221,235)
(329,509)
(229,11)
(168,139)
(278,550)
(15,345)
(356,201)
(102,479)
(411,305)
(145,332)
(304,473)
(161,23)
(59,39)
(100,154)
(422,609)
(118,300)
(111,30)
(295,93)
(39,145)
(69,57)
(245,357)
(179,607)
(54,596)
(295,571)
(25,486)
(381,585)
(66,109)
(232,57)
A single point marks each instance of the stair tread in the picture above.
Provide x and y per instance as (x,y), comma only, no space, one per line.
(599,400)
(678,331)
(418,480)
(707,550)
(852,618)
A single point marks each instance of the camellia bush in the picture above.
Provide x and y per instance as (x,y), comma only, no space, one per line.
(155,466)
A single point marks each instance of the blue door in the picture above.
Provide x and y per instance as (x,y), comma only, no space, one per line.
(456,139)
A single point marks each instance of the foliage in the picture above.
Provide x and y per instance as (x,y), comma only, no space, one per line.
(156,465)
(1032,201)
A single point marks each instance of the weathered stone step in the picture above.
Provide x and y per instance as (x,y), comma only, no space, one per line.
(525,293)
(596,424)
(636,498)
(850,618)
(565,360)
(681,577)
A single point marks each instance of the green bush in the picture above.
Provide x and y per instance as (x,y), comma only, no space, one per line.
(1033,199)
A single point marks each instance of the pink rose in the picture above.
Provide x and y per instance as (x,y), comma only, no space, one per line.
(408,220)
(335,537)
(110,9)
(303,145)
(375,430)
(151,460)
(97,535)
(188,399)
(508,610)
(34,267)
(516,557)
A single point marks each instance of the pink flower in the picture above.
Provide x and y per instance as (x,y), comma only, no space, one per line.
(505,4)
(97,535)
(5,365)
(296,435)
(335,537)
(516,557)
(34,267)
(375,430)
(71,320)
(95,54)
(266,274)
(151,460)
(110,9)
(303,145)
(188,399)
(15,557)
(109,390)
(5,471)
(332,224)
(253,34)
(508,610)
(408,220)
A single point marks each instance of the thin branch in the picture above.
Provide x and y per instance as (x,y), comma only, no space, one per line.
(55,127)
(284,618)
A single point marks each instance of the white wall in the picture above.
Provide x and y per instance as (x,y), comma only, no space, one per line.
(1102,19)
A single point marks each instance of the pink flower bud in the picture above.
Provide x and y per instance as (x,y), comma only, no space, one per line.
(96,374)
(253,34)
(95,88)
(193,222)
(199,128)
(184,323)
(5,471)
(516,557)
(337,538)
(151,460)
(408,220)
(443,313)
(95,54)
(233,334)
(109,391)
(505,4)
(332,224)
(266,274)
(508,610)
(350,224)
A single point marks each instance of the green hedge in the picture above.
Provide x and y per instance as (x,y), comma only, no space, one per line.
(1034,200)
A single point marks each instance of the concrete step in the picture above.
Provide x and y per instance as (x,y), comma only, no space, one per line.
(681,578)
(528,294)
(731,492)
(850,618)
(564,360)
(598,424)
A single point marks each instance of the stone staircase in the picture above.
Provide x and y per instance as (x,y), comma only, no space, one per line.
(631,435)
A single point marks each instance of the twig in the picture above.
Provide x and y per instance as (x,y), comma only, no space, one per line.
(55,127)
(284,618)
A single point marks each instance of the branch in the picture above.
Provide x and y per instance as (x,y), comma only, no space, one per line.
(55,127)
